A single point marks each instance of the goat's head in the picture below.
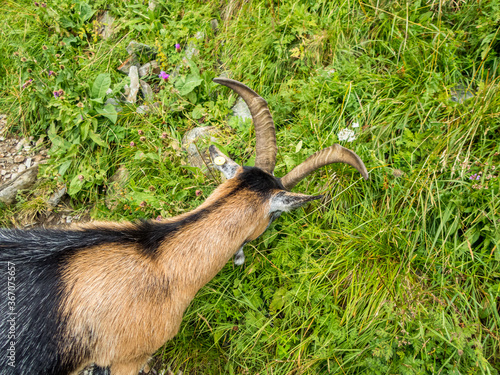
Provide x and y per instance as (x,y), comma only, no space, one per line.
(260,180)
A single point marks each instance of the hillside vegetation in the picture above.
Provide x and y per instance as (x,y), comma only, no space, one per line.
(395,275)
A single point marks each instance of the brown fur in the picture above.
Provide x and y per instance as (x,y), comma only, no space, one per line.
(133,304)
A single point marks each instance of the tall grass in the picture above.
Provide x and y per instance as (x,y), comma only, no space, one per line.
(399,274)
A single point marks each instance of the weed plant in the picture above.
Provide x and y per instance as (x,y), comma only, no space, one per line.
(396,275)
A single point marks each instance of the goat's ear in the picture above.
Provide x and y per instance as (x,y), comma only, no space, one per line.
(222,162)
(286,201)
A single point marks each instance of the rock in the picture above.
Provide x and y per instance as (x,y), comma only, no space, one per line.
(19,158)
(21,168)
(215,25)
(115,104)
(191,49)
(461,93)
(240,109)
(140,49)
(142,109)
(149,68)
(23,181)
(38,158)
(134,84)
(127,64)
(147,91)
(3,124)
(147,108)
(21,144)
(56,197)
(27,163)
(40,141)
(106,29)
(196,143)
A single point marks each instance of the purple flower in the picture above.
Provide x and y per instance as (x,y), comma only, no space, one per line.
(51,73)
(164,75)
(132,144)
(43,5)
(36,4)
(177,47)
(57,94)
(27,83)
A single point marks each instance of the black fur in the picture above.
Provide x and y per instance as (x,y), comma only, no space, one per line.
(37,296)
(259,181)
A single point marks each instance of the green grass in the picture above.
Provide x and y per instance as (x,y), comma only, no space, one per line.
(396,275)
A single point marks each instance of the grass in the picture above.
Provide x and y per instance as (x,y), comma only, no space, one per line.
(399,274)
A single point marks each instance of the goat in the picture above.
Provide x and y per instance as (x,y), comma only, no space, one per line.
(113,293)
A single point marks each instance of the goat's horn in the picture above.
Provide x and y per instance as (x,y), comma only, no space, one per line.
(329,155)
(265,134)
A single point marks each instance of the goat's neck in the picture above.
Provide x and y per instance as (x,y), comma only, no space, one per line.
(195,255)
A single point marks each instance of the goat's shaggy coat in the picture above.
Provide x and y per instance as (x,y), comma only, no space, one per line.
(113,293)
(103,292)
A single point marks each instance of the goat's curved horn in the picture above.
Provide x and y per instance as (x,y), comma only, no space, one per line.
(265,134)
(329,155)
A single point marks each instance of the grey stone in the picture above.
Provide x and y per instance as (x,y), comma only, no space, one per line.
(149,68)
(56,197)
(147,108)
(19,158)
(196,142)
(106,29)
(134,84)
(127,64)
(140,49)
(191,49)
(461,93)
(240,109)
(21,144)
(115,104)
(215,25)
(23,181)
(147,91)
(142,109)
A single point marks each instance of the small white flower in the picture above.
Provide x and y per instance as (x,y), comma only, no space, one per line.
(109,91)
(355,125)
(346,135)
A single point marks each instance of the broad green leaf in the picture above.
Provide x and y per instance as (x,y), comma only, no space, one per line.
(198,112)
(101,85)
(64,167)
(109,112)
(299,146)
(189,84)
(97,139)
(85,12)
(194,68)
(84,130)
(75,185)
